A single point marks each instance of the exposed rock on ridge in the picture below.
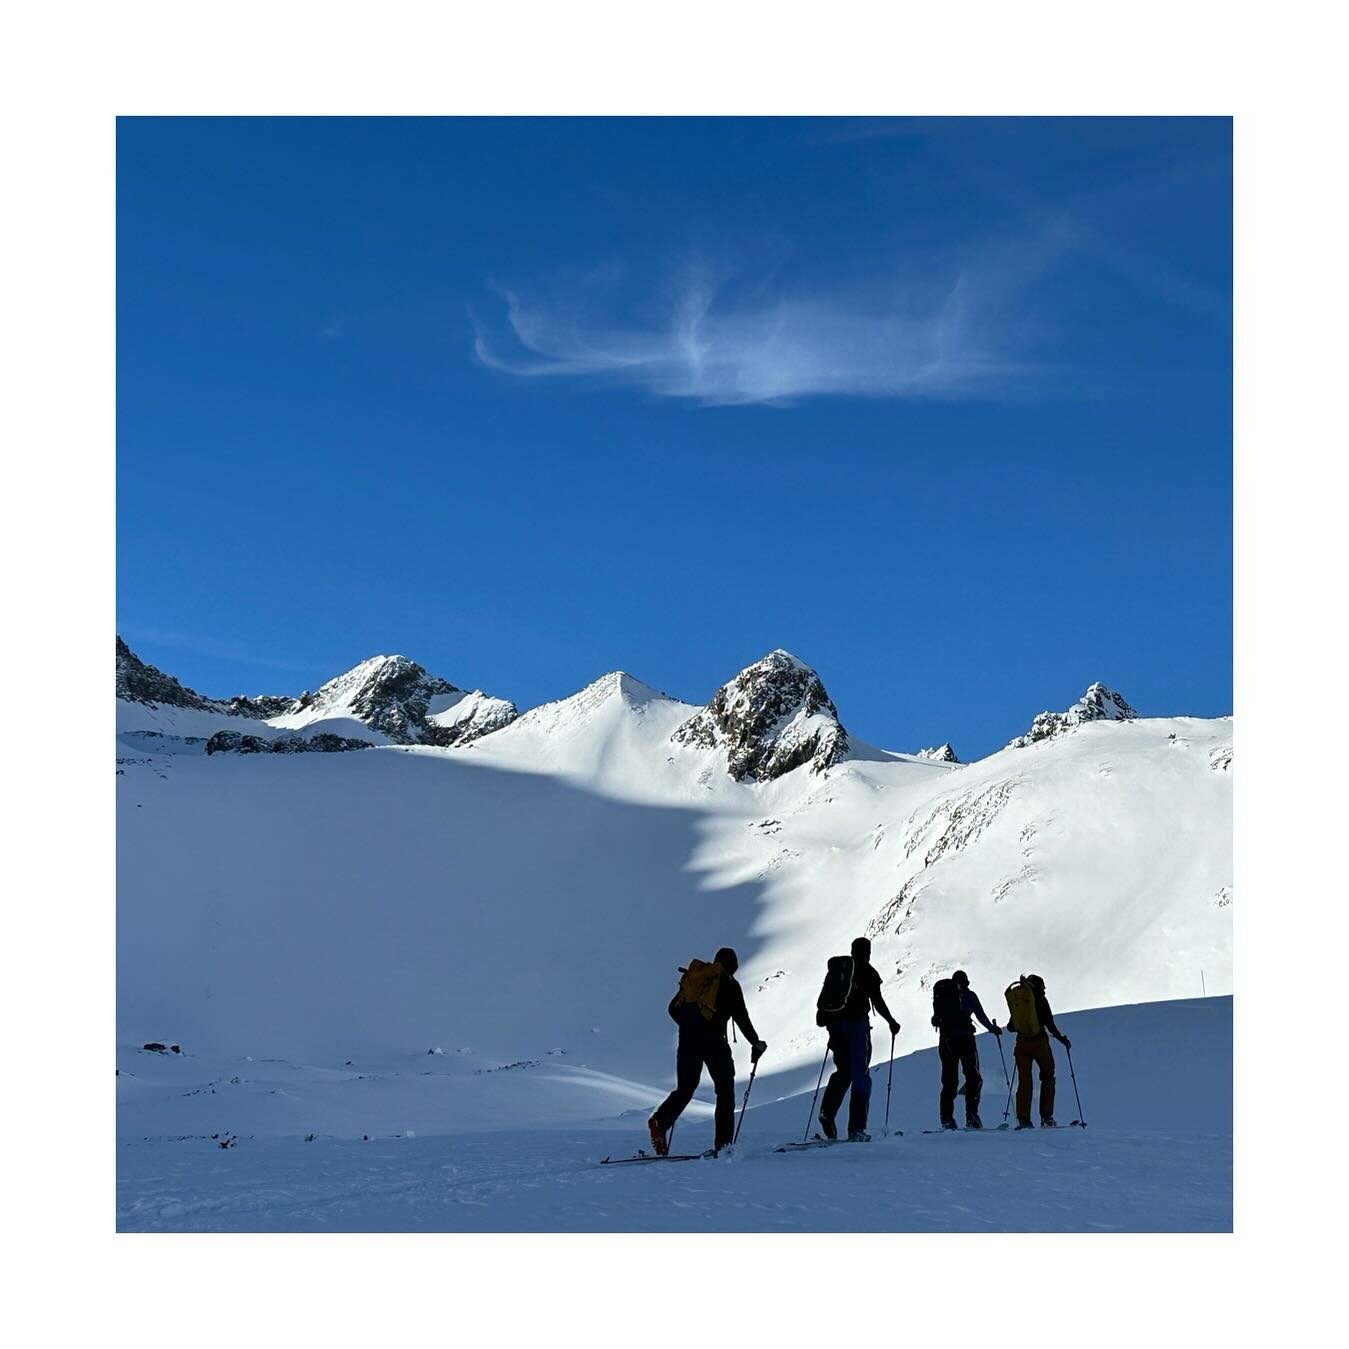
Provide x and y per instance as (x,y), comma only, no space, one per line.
(939,754)
(771,718)
(1097,704)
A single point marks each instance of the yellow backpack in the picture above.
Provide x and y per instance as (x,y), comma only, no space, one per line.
(699,984)
(1021,1014)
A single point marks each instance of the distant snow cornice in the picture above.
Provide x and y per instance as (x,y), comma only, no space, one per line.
(1098,703)
(774,716)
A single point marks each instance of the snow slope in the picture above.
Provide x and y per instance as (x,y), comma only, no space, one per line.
(453,1147)
(527,896)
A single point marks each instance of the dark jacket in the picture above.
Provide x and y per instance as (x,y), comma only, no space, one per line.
(969,1006)
(730,1007)
(866,994)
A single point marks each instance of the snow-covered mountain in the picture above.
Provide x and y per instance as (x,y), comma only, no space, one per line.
(1098,703)
(939,754)
(403,704)
(382,701)
(313,929)
(594,843)
(772,717)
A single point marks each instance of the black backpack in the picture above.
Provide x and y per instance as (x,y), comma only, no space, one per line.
(836,989)
(946,1013)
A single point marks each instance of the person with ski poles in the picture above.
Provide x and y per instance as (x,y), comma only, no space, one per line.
(1031,1017)
(954,1002)
(707,999)
(852,987)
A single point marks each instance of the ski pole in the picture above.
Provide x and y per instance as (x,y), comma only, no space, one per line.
(1008,1110)
(1073,1075)
(890,1082)
(749,1087)
(811,1116)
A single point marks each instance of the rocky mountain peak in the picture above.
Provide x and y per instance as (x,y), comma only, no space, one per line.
(1098,703)
(138,682)
(774,716)
(141,683)
(939,754)
(403,701)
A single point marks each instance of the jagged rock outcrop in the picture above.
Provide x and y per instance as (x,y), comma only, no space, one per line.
(939,754)
(141,683)
(1097,704)
(771,718)
(405,704)
(236,742)
(261,707)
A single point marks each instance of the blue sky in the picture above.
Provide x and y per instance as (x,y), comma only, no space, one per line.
(943,407)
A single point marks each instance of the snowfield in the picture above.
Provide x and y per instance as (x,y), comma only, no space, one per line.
(447,1151)
(317,925)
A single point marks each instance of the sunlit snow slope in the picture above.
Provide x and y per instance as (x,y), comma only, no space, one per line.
(535,890)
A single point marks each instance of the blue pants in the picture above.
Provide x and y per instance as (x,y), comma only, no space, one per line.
(850,1042)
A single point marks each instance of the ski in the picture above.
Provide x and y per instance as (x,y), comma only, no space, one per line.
(816,1142)
(651,1157)
(996,1128)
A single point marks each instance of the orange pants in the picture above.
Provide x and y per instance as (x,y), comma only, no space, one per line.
(1034,1050)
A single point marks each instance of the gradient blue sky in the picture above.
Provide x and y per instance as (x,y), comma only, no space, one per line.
(943,407)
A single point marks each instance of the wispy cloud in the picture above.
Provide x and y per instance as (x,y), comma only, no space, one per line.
(716,343)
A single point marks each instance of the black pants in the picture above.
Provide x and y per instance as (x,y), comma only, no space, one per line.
(700,1047)
(850,1042)
(958,1051)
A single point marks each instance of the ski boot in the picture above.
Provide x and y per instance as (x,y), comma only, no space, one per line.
(1048,1122)
(858,1136)
(949,1124)
(659,1142)
(973,1122)
(1024,1124)
(828,1126)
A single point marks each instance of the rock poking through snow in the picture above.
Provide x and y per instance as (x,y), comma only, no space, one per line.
(1098,703)
(939,754)
(771,718)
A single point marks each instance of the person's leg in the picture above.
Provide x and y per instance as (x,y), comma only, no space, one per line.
(1023,1057)
(1044,1056)
(837,1085)
(721,1068)
(950,1067)
(974,1082)
(688,1072)
(859,1068)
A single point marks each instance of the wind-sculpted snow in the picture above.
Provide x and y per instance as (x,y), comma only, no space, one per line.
(1097,704)
(771,718)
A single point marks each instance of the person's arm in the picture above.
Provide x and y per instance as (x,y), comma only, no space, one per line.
(878,1003)
(740,1015)
(978,1009)
(1047,1021)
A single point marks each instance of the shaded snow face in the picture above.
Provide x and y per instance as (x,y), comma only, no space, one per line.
(1098,703)
(771,718)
